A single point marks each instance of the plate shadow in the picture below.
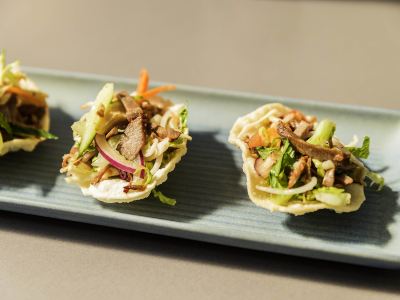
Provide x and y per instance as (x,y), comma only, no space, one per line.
(41,166)
(205,179)
(368,225)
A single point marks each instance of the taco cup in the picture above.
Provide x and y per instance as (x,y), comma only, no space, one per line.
(295,165)
(127,144)
(24,114)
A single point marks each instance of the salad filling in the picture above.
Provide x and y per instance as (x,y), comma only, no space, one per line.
(24,116)
(128,140)
(299,165)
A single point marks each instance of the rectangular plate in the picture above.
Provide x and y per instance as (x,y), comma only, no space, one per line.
(209,185)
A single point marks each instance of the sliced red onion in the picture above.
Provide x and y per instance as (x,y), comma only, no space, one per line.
(122,174)
(112,156)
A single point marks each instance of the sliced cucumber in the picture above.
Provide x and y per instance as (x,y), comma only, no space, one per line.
(104,98)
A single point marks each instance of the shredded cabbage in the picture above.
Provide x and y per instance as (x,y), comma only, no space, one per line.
(178,143)
(332,196)
(11,75)
(264,152)
(99,162)
(114,140)
(280,199)
(282,191)
(78,128)
(81,174)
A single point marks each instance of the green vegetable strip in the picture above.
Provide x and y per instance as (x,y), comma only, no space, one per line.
(323,133)
(4,124)
(376,179)
(24,131)
(27,132)
(183,118)
(277,177)
(163,199)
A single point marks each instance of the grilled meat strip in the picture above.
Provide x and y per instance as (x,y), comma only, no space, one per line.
(313,151)
(133,138)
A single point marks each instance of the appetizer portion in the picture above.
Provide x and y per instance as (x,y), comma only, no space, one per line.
(24,114)
(295,165)
(127,144)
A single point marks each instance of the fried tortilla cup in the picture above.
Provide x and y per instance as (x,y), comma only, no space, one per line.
(127,144)
(28,143)
(24,114)
(295,165)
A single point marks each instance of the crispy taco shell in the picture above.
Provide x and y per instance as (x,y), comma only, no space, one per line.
(246,126)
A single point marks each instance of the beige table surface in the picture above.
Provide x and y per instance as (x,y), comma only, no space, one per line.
(340,51)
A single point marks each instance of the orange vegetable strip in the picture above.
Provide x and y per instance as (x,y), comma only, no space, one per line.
(30,96)
(157,90)
(143,82)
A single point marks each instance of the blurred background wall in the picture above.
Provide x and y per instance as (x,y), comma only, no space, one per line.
(343,51)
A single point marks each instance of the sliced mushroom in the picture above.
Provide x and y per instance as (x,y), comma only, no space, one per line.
(344,179)
(329,178)
(263,167)
(298,169)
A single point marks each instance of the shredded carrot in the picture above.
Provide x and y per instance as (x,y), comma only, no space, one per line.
(256,140)
(143,82)
(157,90)
(28,96)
